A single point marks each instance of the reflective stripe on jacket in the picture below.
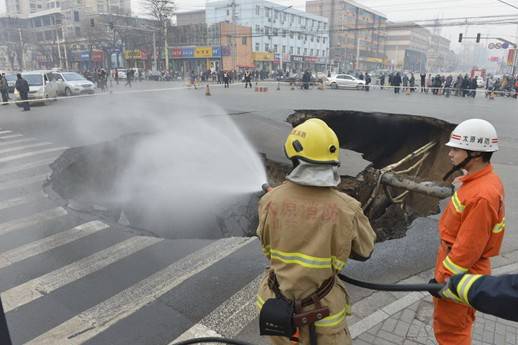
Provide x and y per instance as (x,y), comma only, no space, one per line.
(473,224)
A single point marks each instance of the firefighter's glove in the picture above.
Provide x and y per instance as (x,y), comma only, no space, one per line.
(433,292)
(449,291)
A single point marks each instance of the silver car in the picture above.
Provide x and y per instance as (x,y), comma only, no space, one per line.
(72,83)
(345,81)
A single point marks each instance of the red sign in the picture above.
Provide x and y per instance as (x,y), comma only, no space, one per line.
(177,52)
(310,59)
(97,55)
(494,58)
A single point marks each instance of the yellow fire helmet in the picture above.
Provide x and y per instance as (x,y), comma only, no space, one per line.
(314,142)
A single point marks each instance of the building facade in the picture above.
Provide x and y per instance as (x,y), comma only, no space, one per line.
(356,34)
(282,38)
(406,47)
(190,18)
(438,54)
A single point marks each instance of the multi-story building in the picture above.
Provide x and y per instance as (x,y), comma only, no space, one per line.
(407,46)
(190,18)
(438,54)
(24,8)
(282,38)
(356,34)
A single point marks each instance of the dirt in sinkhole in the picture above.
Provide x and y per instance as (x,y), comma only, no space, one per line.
(85,177)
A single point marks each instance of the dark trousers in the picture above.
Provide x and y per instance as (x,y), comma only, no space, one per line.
(24,96)
(248,82)
(5,96)
(396,89)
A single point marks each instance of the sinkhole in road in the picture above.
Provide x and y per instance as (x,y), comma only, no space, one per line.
(401,181)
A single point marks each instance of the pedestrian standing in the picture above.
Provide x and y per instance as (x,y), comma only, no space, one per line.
(4,89)
(116,76)
(23,89)
(423,81)
(226,79)
(367,81)
(396,82)
(471,228)
(248,79)
(308,230)
(382,81)
(412,82)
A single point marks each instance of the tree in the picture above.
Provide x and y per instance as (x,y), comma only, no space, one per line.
(162,11)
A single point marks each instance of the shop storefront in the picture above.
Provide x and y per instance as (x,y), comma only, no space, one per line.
(264,61)
(137,58)
(80,60)
(196,59)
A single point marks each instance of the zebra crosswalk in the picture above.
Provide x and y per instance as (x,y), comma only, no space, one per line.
(68,278)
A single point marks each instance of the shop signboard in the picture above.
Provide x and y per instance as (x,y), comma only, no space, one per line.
(187,52)
(310,59)
(297,58)
(177,53)
(135,54)
(203,52)
(263,56)
(216,52)
(97,55)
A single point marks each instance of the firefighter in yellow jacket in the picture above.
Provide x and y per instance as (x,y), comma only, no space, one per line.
(308,230)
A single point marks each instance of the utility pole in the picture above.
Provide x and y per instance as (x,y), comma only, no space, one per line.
(154,52)
(21,49)
(64,46)
(165,45)
(234,33)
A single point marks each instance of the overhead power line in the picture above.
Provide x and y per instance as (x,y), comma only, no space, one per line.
(508,4)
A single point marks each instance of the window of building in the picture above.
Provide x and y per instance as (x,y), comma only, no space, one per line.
(266,47)
(275,14)
(318,39)
(305,51)
(305,37)
(258,10)
(243,41)
(312,38)
(37,22)
(299,36)
(275,48)
(311,52)
(298,50)
(318,52)
(78,31)
(258,28)
(300,20)
(257,47)
(284,33)
(76,16)
(283,49)
(39,6)
(267,12)
(291,34)
(58,4)
(275,32)
(291,50)
(324,40)
(48,35)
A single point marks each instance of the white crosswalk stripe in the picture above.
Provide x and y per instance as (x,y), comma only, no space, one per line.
(22,200)
(24,181)
(10,136)
(38,287)
(51,242)
(30,154)
(16,141)
(31,220)
(24,147)
(95,320)
(229,318)
(5,132)
(26,166)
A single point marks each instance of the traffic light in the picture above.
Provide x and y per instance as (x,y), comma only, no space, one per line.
(92,22)
(478,38)
(460,38)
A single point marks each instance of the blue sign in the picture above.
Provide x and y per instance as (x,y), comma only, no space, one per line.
(85,56)
(216,52)
(505,45)
(188,52)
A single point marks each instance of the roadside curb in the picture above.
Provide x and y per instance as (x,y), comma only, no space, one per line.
(380,312)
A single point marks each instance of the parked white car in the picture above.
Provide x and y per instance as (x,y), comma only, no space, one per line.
(41,86)
(72,83)
(344,81)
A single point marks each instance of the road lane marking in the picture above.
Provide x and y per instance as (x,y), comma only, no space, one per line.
(51,242)
(22,200)
(31,220)
(26,166)
(24,181)
(5,132)
(41,286)
(16,141)
(30,154)
(11,136)
(229,318)
(24,147)
(95,320)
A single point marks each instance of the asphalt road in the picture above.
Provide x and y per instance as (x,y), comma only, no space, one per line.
(105,284)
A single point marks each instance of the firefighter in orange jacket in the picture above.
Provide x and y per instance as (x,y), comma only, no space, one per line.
(472,226)
(308,230)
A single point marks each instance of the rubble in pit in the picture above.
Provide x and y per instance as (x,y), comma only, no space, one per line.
(85,177)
